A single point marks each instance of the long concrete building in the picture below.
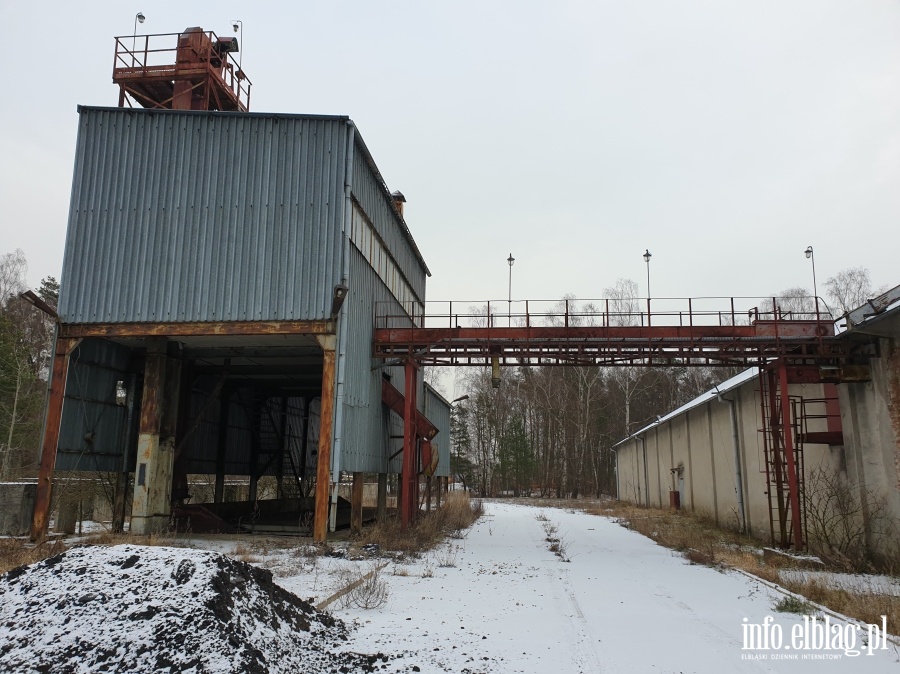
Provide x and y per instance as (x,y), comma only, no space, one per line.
(711,455)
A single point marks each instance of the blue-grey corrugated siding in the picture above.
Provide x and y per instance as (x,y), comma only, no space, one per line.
(203,217)
(372,196)
(92,430)
(365,446)
(437,410)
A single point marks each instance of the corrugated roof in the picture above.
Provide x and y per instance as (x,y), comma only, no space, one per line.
(702,399)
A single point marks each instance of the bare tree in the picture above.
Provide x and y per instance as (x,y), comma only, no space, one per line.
(13,268)
(850,288)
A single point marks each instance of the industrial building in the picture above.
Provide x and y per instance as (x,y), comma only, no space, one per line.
(222,273)
(714,455)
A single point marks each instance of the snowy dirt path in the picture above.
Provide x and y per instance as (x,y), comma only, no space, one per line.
(622,604)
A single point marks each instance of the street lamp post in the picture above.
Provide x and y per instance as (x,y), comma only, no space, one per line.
(138,18)
(810,255)
(510,259)
(238,26)
(647,256)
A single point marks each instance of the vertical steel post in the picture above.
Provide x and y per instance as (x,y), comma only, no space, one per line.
(41,513)
(323,459)
(409,497)
(222,444)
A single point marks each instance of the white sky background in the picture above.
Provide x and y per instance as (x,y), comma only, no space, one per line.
(723,136)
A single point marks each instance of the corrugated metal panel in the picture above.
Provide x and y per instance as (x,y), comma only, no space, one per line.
(374,199)
(437,410)
(92,430)
(364,433)
(182,216)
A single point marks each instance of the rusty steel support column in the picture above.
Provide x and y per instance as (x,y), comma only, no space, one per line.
(222,444)
(153,474)
(409,496)
(429,484)
(356,504)
(793,477)
(381,500)
(440,490)
(326,429)
(41,513)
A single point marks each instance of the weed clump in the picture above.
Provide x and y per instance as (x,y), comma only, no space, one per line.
(457,514)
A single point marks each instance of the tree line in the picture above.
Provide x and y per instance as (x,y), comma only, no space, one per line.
(26,343)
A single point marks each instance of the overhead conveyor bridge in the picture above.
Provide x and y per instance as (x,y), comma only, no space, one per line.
(794,346)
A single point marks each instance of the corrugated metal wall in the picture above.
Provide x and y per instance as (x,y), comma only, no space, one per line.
(364,432)
(438,412)
(371,194)
(92,431)
(184,216)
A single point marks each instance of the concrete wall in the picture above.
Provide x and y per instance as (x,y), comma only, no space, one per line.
(870,412)
(16,505)
(697,446)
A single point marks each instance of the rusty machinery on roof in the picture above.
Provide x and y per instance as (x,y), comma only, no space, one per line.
(191,70)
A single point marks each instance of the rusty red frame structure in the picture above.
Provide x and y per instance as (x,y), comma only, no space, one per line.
(190,70)
(788,347)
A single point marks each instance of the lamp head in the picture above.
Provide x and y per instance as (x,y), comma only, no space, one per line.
(808,252)
(237,24)
(140,17)
(510,259)
(647,255)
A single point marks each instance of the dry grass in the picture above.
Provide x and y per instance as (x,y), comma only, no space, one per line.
(702,542)
(16,552)
(456,515)
(866,606)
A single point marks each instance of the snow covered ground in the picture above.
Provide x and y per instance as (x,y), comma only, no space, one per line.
(622,604)
(500,601)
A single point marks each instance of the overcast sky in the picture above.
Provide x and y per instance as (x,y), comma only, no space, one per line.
(726,137)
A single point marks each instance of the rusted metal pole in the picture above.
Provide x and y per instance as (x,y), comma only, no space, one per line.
(793,477)
(323,459)
(41,513)
(409,497)
(356,500)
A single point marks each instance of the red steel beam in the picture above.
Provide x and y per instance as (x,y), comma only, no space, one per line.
(409,497)
(730,344)
(396,401)
(58,375)
(210,328)
(323,459)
